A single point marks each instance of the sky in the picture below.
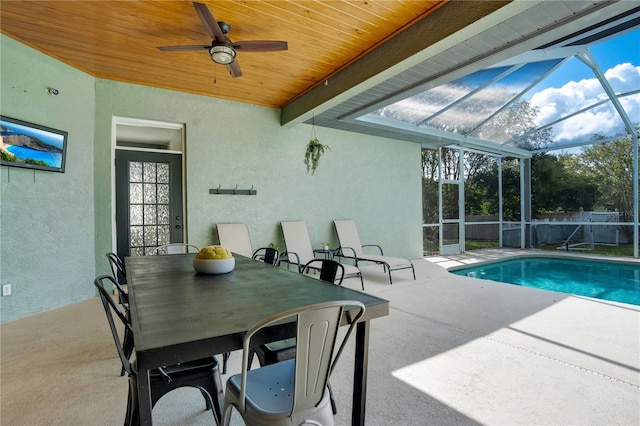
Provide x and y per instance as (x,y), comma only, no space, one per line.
(570,88)
(573,87)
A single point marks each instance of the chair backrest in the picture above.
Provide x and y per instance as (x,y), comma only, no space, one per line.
(270,256)
(235,237)
(296,240)
(348,235)
(117,268)
(316,338)
(330,270)
(174,248)
(111,307)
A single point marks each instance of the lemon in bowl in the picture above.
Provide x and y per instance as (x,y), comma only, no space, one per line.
(214,260)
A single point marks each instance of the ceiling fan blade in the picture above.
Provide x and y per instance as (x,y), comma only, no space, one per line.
(260,45)
(209,22)
(234,69)
(193,47)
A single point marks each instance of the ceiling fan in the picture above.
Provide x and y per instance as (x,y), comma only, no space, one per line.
(222,49)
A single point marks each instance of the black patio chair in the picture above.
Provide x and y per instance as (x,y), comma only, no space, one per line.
(267,255)
(117,268)
(119,272)
(330,270)
(202,374)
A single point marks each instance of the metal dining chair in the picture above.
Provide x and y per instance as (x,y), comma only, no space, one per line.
(120,274)
(282,350)
(123,299)
(267,255)
(293,391)
(202,373)
(330,270)
(235,237)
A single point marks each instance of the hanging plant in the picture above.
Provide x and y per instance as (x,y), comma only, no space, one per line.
(314,151)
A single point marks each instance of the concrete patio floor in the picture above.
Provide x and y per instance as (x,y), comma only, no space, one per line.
(453,351)
(457,350)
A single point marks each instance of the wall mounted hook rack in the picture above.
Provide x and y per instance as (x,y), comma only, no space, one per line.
(235,191)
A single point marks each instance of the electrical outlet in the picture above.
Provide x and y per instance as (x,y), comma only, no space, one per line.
(6,289)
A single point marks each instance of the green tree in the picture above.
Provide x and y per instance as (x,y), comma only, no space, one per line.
(478,189)
(486,185)
(430,186)
(554,186)
(610,166)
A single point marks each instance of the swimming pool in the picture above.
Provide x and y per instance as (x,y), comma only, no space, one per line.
(619,282)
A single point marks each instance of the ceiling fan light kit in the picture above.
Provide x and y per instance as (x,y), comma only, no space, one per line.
(222,55)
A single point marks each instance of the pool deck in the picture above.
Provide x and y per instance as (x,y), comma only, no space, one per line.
(476,257)
(453,351)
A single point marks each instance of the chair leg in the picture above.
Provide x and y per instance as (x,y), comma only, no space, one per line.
(226,417)
(127,416)
(250,359)
(127,347)
(225,358)
(205,395)
(334,407)
(213,393)
(218,402)
(133,413)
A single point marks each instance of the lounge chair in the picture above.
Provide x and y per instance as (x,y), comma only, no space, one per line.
(352,248)
(235,237)
(300,252)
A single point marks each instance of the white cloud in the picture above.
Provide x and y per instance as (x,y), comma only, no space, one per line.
(624,78)
(555,103)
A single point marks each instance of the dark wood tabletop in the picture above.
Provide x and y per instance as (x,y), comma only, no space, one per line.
(180,315)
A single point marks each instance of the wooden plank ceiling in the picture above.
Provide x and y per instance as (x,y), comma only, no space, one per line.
(117,40)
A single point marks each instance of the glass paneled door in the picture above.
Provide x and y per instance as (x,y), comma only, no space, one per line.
(148,201)
(451,174)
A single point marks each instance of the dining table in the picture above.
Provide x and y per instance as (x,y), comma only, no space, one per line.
(179,315)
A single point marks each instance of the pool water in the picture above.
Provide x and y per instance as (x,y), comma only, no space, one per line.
(619,282)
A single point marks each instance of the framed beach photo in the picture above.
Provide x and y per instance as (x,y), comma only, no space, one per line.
(32,146)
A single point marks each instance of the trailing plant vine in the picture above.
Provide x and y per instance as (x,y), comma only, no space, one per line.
(314,151)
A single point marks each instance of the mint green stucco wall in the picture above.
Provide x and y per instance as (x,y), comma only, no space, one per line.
(374,181)
(47,222)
